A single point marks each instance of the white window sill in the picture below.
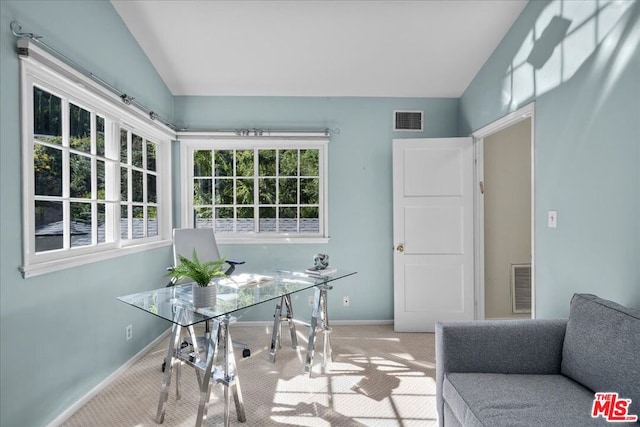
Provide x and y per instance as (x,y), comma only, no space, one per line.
(37,269)
(238,240)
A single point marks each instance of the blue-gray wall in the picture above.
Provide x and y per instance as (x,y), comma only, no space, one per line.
(360,183)
(587,143)
(63,333)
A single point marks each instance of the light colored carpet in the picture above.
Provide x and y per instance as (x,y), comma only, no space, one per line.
(377,378)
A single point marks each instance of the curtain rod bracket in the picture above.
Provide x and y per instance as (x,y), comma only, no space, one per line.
(16,29)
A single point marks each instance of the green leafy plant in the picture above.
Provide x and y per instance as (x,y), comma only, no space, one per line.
(200,272)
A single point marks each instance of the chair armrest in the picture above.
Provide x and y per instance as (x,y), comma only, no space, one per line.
(498,346)
(232,265)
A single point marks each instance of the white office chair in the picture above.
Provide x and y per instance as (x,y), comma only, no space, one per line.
(203,240)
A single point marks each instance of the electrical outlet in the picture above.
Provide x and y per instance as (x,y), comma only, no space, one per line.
(310,300)
(345,301)
(128,332)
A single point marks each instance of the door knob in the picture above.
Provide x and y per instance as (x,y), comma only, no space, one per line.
(400,248)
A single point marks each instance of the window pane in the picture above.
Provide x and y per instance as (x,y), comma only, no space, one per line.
(47,117)
(136,186)
(47,168)
(124,158)
(79,128)
(267,191)
(309,164)
(202,191)
(81,230)
(124,184)
(288,163)
(136,150)
(267,162)
(244,163)
(267,221)
(309,220)
(151,189)
(99,136)
(224,220)
(309,191)
(152,221)
(101,182)
(288,191)
(49,228)
(288,221)
(101,223)
(80,176)
(151,156)
(137,222)
(124,222)
(224,162)
(244,191)
(245,221)
(203,217)
(202,163)
(224,191)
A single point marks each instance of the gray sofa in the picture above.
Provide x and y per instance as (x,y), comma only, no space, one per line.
(538,372)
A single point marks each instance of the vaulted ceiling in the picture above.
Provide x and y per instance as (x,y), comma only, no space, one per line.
(430,48)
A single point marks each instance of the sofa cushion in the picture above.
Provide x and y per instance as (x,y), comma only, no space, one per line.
(602,347)
(495,400)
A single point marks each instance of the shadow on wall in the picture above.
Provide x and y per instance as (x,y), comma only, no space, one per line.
(564,35)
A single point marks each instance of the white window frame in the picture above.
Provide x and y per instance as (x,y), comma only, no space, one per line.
(50,74)
(190,144)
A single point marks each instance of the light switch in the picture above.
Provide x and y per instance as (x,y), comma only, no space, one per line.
(552,219)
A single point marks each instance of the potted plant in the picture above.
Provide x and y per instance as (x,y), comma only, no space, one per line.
(203,275)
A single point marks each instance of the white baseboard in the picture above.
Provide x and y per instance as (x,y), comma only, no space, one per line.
(64,416)
(247,323)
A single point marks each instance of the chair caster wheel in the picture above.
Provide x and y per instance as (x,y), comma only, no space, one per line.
(246,352)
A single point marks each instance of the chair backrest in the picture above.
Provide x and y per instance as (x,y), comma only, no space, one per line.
(185,240)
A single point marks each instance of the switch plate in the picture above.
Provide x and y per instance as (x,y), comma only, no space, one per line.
(552,219)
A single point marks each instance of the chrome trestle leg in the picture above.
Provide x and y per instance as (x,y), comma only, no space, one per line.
(319,322)
(276,334)
(170,361)
(220,343)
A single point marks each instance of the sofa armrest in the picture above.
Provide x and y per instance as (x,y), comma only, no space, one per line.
(498,346)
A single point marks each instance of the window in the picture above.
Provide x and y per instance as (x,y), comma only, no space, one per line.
(267,190)
(91,183)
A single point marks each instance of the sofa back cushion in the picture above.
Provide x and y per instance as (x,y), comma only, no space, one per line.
(602,347)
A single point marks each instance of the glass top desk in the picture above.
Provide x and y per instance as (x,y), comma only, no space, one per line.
(212,357)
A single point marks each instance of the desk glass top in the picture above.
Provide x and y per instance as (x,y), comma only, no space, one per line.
(175,303)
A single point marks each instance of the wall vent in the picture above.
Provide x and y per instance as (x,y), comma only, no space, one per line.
(521,288)
(408,121)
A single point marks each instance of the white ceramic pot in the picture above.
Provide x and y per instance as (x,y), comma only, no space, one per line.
(204,296)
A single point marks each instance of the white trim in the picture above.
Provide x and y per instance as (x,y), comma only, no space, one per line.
(36,269)
(68,413)
(61,81)
(528,111)
(192,143)
(37,55)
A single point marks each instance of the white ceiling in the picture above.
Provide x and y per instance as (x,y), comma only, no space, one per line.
(319,48)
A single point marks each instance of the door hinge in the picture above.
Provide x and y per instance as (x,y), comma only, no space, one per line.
(481,187)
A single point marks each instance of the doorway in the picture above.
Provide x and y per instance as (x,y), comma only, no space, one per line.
(504,220)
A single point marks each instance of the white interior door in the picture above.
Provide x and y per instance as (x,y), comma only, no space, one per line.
(433,232)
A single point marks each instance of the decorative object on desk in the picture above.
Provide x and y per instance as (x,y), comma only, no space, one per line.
(320,265)
(203,274)
(320,261)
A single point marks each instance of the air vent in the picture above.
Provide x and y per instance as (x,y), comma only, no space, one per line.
(408,121)
(521,287)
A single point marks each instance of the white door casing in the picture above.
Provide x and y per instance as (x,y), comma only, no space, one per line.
(433,232)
